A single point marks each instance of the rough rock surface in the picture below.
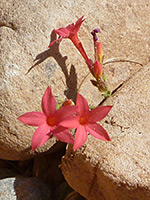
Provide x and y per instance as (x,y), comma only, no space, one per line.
(22,188)
(120,169)
(25,30)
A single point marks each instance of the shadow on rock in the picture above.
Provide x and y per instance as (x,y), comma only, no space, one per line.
(31,189)
(71,77)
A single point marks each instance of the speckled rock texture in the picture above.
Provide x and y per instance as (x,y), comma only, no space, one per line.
(116,170)
(120,169)
(26,30)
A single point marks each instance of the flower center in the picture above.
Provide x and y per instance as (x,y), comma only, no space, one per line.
(83,120)
(51,121)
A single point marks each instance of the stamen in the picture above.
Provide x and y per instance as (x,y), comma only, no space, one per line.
(51,121)
(83,120)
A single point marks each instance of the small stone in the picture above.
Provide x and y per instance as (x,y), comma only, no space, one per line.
(20,188)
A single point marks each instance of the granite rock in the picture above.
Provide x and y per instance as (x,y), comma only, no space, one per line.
(120,169)
(22,188)
(26,30)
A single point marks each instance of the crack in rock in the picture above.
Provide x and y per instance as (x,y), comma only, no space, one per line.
(8,25)
(94,181)
(113,123)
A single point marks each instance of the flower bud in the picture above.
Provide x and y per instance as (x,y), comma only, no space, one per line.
(99,52)
(96,30)
(94,82)
(68,102)
(97,69)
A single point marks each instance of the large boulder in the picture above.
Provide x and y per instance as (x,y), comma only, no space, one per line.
(120,169)
(25,30)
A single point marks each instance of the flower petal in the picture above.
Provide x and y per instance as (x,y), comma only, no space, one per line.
(63,134)
(82,105)
(70,123)
(80,137)
(65,113)
(78,23)
(71,28)
(33,118)
(53,42)
(40,136)
(48,103)
(97,131)
(98,113)
(64,32)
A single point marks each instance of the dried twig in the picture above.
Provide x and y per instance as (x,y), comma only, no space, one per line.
(121,60)
(83,81)
(109,62)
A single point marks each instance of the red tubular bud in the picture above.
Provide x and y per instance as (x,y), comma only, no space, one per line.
(99,52)
(97,69)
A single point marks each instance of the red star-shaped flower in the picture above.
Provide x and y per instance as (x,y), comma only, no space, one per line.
(85,122)
(48,121)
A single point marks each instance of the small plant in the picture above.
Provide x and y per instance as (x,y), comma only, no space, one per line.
(58,122)
(71,32)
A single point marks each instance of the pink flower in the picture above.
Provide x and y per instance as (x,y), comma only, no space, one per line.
(48,121)
(85,122)
(71,32)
